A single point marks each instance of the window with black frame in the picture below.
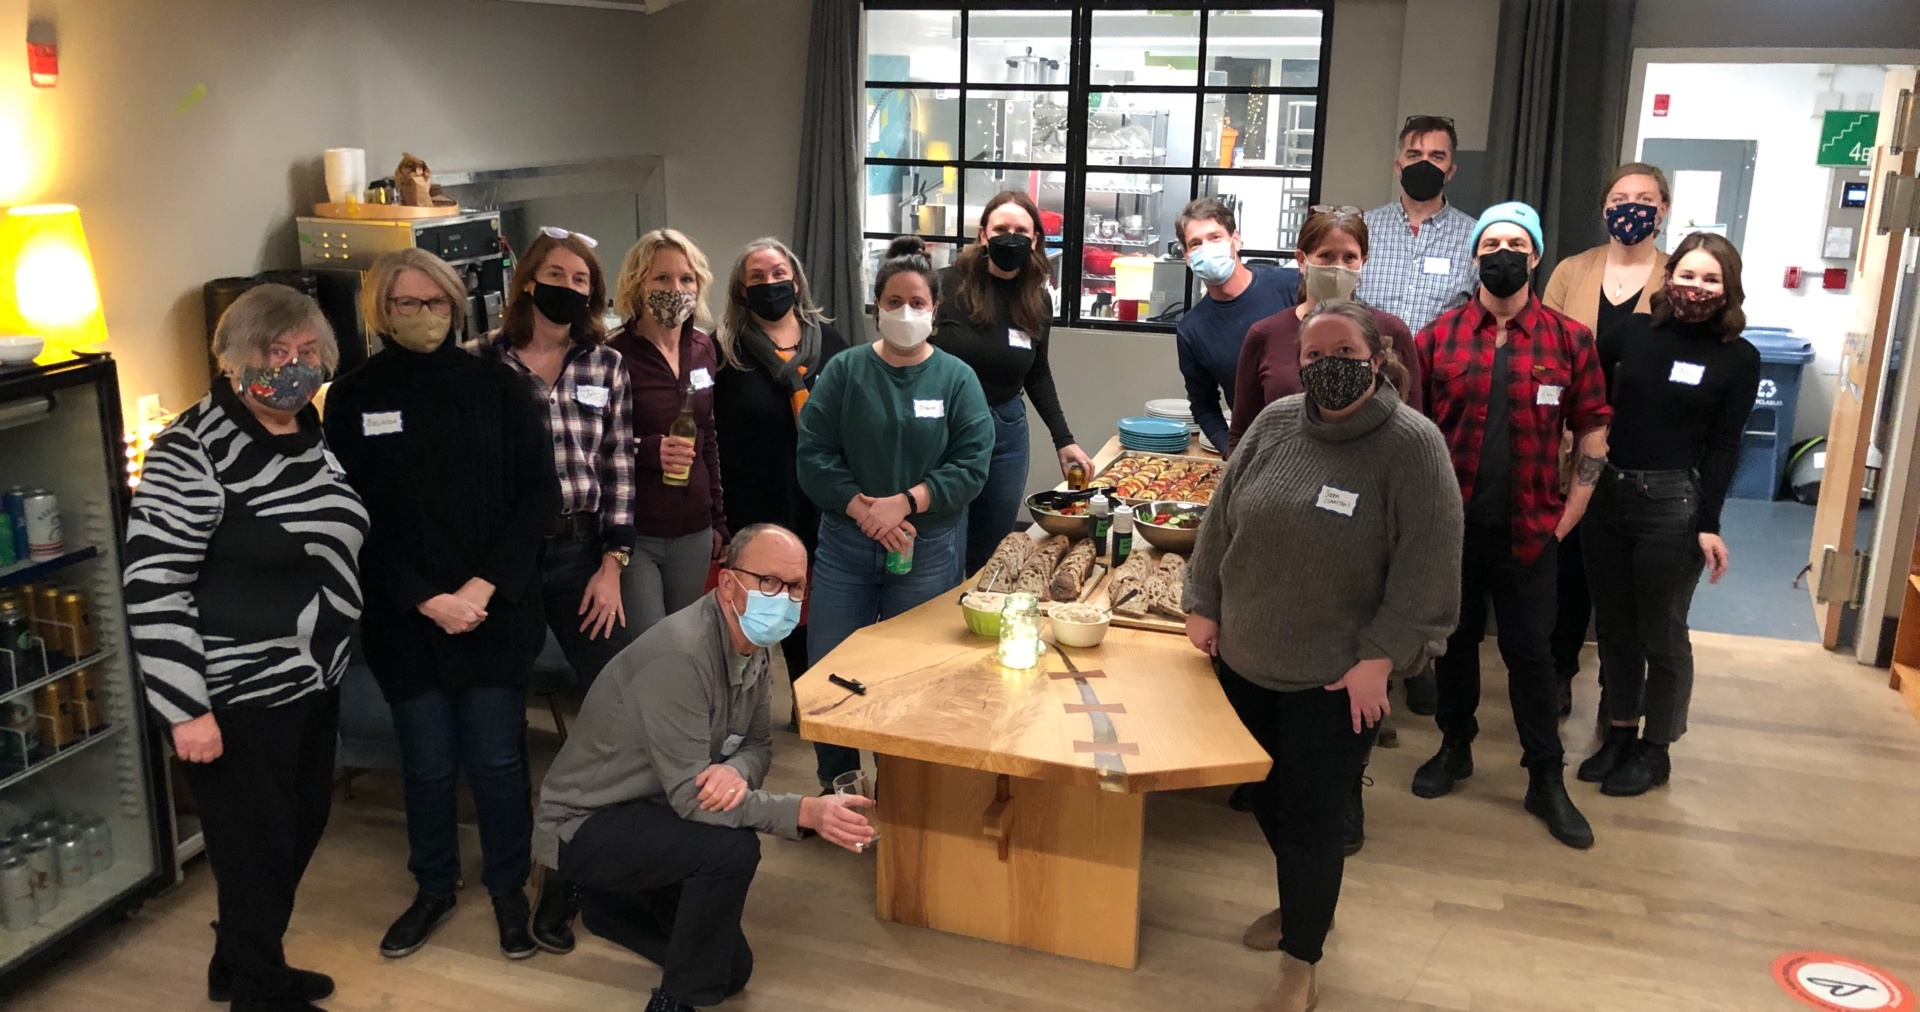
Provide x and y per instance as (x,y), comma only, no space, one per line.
(1112,116)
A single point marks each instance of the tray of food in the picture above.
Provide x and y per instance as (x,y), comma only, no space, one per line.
(1144,592)
(1138,478)
(1057,569)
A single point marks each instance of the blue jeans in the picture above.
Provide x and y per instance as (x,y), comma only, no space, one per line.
(852,590)
(480,731)
(996,510)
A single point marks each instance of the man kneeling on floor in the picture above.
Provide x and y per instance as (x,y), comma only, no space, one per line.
(653,806)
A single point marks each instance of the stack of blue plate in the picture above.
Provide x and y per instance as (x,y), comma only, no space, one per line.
(1153,435)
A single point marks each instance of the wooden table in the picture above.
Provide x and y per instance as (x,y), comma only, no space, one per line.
(1002,816)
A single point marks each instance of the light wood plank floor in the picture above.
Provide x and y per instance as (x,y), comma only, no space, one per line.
(1792,823)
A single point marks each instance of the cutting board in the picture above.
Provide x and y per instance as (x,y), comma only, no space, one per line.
(1152,621)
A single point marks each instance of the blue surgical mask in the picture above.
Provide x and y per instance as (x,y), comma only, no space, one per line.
(1213,262)
(768,618)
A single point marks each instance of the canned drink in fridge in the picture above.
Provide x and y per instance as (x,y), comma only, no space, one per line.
(17,909)
(16,501)
(90,703)
(76,625)
(22,662)
(85,719)
(99,837)
(46,884)
(44,537)
(53,703)
(71,858)
(46,612)
(19,736)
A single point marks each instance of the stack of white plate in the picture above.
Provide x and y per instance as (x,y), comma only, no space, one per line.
(1174,408)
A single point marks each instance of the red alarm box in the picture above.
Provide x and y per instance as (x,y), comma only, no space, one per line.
(1793,277)
(1835,279)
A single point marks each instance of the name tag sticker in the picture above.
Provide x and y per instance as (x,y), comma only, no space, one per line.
(1019,339)
(1335,500)
(732,744)
(591,396)
(929,409)
(700,379)
(1690,373)
(333,463)
(1439,265)
(1549,394)
(380,423)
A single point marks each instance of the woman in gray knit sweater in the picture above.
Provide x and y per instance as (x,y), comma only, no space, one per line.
(1330,560)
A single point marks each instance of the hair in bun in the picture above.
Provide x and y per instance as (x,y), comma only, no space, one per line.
(906,246)
(906,254)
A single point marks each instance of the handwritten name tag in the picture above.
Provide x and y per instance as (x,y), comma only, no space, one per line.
(1548,395)
(929,409)
(700,378)
(591,396)
(1690,373)
(380,423)
(1335,500)
(1019,339)
(1439,265)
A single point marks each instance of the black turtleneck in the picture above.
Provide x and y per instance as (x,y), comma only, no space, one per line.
(449,451)
(1005,360)
(1681,397)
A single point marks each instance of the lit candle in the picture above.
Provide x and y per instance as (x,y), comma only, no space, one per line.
(1020,632)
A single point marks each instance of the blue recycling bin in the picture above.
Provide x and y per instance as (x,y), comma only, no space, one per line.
(1763,448)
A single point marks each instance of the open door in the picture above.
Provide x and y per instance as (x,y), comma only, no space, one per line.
(1838,569)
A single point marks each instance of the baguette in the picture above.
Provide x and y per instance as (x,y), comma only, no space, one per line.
(1072,573)
(1040,564)
(1167,586)
(1131,576)
(1004,567)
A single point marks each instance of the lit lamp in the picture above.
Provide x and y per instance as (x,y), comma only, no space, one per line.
(47,286)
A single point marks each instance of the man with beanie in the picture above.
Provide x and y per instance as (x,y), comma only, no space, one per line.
(1504,438)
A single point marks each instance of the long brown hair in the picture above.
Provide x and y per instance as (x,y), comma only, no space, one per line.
(1319,226)
(1638,169)
(1030,310)
(1731,320)
(1378,342)
(517,322)
(734,319)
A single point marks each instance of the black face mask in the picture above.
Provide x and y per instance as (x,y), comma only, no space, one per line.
(1009,251)
(559,303)
(771,301)
(1503,272)
(1423,180)
(1335,383)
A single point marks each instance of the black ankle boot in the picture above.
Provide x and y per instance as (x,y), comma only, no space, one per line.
(1547,800)
(511,915)
(553,917)
(411,931)
(1614,750)
(1355,817)
(311,985)
(1423,693)
(1436,776)
(661,1001)
(1648,766)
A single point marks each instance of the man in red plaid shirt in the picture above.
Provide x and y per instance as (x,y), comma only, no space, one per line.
(1505,438)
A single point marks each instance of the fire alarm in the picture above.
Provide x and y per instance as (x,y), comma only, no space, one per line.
(1835,279)
(43,54)
(1793,277)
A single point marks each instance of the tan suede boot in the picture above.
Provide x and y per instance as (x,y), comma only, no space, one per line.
(1295,990)
(1263,935)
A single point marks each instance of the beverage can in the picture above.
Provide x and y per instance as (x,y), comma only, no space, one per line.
(76,625)
(89,703)
(99,837)
(71,864)
(16,639)
(17,909)
(46,614)
(1076,476)
(53,703)
(44,537)
(900,563)
(16,501)
(19,736)
(46,884)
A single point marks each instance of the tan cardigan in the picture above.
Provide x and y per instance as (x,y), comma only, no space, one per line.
(1574,288)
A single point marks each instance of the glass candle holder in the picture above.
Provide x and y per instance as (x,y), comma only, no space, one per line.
(1020,632)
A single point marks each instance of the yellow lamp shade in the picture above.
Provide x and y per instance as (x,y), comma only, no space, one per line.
(47,285)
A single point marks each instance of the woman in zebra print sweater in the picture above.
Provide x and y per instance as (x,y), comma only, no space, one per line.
(243,586)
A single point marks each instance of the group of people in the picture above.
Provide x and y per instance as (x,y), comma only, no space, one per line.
(1417,434)
(1395,458)
(443,508)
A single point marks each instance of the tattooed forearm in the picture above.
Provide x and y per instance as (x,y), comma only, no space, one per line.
(1586,470)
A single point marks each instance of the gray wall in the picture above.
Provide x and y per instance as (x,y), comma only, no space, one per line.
(174,198)
(1868,24)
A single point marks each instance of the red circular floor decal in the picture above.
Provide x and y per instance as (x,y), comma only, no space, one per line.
(1838,984)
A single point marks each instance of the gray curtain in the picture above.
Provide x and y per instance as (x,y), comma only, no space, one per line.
(827,213)
(1559,103)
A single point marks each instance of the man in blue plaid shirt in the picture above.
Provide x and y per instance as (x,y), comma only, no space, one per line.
(1419,265)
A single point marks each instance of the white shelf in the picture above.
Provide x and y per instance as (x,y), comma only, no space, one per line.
(56,676)
(75,905)
(62,756)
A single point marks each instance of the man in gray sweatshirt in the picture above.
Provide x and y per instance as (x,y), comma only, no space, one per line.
(654,805)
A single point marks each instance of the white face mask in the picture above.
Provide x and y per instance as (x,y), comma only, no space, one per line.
(905,328)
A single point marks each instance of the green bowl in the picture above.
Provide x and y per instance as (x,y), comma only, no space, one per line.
(982,623)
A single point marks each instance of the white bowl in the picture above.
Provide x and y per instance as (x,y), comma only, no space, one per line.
(20,349)
(1079,634)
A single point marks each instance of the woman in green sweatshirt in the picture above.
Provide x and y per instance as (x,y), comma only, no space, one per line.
(894,443)
(1329,560)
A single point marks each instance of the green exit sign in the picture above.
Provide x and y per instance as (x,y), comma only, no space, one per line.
(1846,138)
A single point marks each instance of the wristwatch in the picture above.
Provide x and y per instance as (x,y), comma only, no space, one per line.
(621,556)
(913,506)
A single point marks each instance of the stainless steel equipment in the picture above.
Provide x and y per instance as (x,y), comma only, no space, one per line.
(339,252)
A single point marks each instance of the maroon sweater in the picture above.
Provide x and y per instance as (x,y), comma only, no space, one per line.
(1269,366)
(661,510)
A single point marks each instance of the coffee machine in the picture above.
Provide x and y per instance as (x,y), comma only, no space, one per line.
(339,252)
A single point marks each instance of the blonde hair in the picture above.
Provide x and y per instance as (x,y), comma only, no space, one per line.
(378,289)
(628,298)
(735,317)
(263,315)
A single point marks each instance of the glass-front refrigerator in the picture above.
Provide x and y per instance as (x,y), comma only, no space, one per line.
(83,833)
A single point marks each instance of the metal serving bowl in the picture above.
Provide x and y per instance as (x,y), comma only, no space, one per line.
(1168,539)
(1060,523)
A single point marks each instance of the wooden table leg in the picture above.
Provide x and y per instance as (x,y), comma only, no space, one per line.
(1070,881)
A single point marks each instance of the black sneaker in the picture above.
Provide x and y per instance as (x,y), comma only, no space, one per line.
(308,984)
(414,927)
(663,1002)
(553,916)
(511,914)
(1423,693)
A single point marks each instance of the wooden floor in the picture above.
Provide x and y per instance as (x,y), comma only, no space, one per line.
(1793,822)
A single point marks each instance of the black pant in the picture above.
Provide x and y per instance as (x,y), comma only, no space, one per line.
(1574,606)
(567,562)
(669,889)
(1523,604)
(1316,760)
(263,805)
(1644,560)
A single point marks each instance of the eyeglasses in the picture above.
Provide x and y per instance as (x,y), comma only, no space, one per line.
(1331,209)
(796,590)
(1418,118)
(403,305)
(560,233)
